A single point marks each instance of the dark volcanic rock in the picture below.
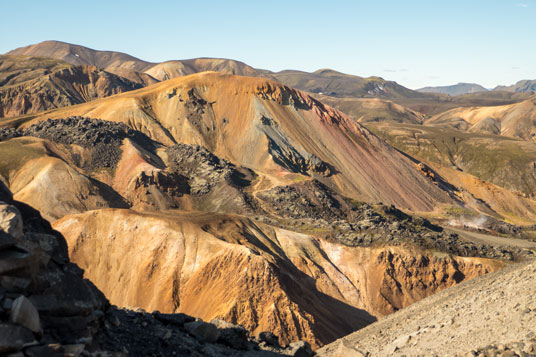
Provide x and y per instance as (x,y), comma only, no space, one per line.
(102,137)
(13,337)
(38,279)
(292,158)
(269,338)
(204,331)
(138,333)
(214,182)
(308,199)
(5,194)
(9,133)
(232,335)
(312,207)
(205,170)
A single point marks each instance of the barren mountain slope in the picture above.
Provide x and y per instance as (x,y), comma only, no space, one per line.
(496,309)
(292,284)
(514,120)
(140,78)
(49,309)
(136,70)
(270,128)
(173,69)
(43,175)
(340,85)
(118,63)
(33,84)
(505,162)
(19,69)
(78,164)
(366,110)
(328,82)
(80,55)
(490,199)
(337,84)
(445,102)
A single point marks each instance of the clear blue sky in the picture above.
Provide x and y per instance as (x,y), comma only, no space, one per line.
(415,43)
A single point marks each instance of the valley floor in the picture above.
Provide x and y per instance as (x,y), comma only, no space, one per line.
(480,238)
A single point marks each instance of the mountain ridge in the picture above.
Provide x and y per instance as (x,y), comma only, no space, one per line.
(33,84)
(324,81)
(455,89)
(110,60)
(522,86)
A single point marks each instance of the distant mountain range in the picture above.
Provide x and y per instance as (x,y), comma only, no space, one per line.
(524,86)
(32,84)
(456,89)
(324,81)
(122,72)
(520,87)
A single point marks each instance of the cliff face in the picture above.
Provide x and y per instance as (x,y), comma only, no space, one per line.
(265,278)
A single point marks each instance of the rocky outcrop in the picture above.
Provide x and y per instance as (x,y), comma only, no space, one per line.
(292,158)
(139,333)
(265,231)
(204,169)
(9,133)
(103,138)
(43,297)
(187,177)
(89,164)
(525,348)
(311,207)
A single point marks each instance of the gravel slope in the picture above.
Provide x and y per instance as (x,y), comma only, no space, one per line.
(495,309)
